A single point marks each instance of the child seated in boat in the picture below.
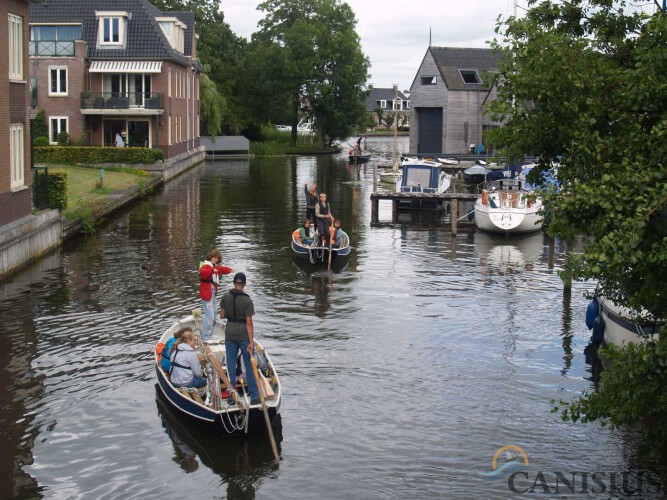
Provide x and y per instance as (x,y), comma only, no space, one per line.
(167,349)
(303,234)
(186,368)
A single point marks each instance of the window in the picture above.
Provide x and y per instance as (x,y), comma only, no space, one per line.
(57,124)
(470,76)
(111,28)
(382,104)
(169,84)
(169,130)
(407,104)
(15,47)
(429,80)
(58,80)
(398,104)
(16,155)
(55,33)
(174,31)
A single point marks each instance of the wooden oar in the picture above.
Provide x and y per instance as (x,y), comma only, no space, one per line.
(223,377)
(330,240)
(260,389)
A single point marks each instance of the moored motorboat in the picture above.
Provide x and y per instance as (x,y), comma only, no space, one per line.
(448,161)
(422,178)
(613,324)
(212,408)
(316,252)
(505,206)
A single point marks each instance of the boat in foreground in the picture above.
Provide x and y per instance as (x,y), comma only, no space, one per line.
(613,324)
(318,253)
(212,408)
(507,207)
(422,177)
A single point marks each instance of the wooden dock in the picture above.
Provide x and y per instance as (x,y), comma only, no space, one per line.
(396,198)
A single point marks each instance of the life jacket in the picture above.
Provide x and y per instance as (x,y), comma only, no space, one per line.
(332,234)
(215,280)
(324,209)
(236,318)
(166,354)
(158,350)
(174,363)
(296,236)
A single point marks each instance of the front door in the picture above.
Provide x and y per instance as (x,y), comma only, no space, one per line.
(430,131)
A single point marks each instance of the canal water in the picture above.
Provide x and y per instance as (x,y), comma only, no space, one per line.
(417,370)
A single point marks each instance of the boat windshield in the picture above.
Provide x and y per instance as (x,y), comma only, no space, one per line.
(417,177)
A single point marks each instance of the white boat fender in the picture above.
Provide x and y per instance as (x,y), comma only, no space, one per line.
(598,330)
(592,312)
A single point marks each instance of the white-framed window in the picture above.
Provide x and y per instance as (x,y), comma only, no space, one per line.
(169,83)
(174,31)
(407,104)
(383,104)
(397,104)
(15,47)
(58,80)
(429,80)
(169,130)
(17,155)
(111,28)
(57,124)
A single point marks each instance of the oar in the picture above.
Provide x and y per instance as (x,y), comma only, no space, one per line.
(330,238)
(223,377)
(260,389)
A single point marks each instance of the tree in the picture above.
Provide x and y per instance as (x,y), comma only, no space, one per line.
(586,79)
(213,107)
(379,112)
(325,69)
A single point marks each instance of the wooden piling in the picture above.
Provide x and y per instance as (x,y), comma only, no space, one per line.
(552,244)
(454,214)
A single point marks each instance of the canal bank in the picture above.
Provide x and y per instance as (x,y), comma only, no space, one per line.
(29,239)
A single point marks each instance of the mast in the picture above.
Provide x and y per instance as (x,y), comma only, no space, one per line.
(395,152)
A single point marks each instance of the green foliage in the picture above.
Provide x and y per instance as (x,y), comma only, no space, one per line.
(631,391)
(586,79)
(213,107)
(95,154)
(40,141)
(39,126)
(57,187)
(85,216)
(63,138)
(323,65)
(268,148)
(379,112)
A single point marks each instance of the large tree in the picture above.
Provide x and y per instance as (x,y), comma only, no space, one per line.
(325,70)
(587,79)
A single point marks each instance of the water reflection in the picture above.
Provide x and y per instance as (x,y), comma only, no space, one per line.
(504,255)
(241,462)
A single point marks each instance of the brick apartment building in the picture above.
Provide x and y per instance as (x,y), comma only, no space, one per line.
(103,68)
(15,194)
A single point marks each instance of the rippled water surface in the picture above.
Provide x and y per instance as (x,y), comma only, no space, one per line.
(403,373)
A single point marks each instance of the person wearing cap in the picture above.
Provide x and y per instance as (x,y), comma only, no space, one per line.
(239,309)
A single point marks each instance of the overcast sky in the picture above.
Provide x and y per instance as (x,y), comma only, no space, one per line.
(394,34)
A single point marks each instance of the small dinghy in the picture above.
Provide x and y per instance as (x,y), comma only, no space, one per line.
(210,405)
(316,252)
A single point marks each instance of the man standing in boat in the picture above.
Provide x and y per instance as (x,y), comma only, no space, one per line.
(239,309)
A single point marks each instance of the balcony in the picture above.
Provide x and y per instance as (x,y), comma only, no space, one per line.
(109,103)
(51,48)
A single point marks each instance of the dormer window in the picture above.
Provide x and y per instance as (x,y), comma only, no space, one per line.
(383,104)
(470,76)
(111,28)
(174,31)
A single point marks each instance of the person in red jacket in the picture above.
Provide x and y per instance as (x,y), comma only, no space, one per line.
(209,272)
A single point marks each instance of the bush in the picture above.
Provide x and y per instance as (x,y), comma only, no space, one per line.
(38,125)
(40,141)
(96,154)
(63,139)
(58,190)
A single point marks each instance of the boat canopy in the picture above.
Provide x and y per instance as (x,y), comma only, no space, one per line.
(419,176)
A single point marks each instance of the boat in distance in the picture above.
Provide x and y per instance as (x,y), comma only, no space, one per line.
(213,409)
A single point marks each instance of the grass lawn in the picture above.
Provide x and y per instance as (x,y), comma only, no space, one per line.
(81,185)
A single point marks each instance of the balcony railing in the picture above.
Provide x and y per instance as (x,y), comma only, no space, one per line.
(121,100)
(51,48)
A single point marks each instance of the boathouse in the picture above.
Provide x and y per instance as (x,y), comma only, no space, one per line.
(447,100)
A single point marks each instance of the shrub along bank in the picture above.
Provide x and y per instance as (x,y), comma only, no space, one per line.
(96,154)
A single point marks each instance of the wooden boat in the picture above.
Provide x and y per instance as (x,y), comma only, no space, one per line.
(212,409)
(422,177)
(613,324)
(318,253)
(507,207)
(358,157)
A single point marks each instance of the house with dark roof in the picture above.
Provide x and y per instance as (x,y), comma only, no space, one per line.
(386,101)
(448,97)
(116,72)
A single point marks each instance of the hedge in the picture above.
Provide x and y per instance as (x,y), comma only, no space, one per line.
(96,154)
(53,194)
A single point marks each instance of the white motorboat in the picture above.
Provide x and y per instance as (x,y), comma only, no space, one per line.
(423,177)
(507,207)
(613,324)
(448,161)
